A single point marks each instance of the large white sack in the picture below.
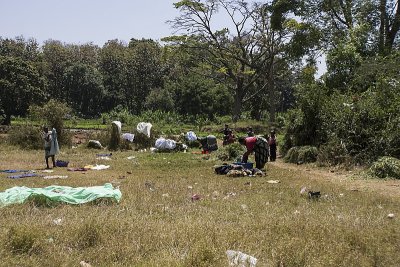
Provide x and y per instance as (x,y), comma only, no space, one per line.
(162,143)
(117,124)
(144,128)
(191,136)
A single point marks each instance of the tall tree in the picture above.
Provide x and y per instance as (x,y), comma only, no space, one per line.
(243,52)
(144,72)
(20,86)
(84,86)
(19,47)
(113,67)
(57,58)
(372,25)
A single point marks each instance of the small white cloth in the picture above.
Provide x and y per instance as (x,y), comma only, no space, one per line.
(100,167)
(239,259)
(128,136)
(144,128)
(162,143)
(191,136)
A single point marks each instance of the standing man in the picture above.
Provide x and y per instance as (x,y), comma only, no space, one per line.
(50,146)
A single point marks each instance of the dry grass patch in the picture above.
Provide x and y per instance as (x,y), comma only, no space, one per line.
(157,224)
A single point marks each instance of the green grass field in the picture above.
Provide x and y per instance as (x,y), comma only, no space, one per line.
(157,224)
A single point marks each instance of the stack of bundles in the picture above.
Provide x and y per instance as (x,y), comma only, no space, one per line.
(209,143)
(168,145)
(235,170)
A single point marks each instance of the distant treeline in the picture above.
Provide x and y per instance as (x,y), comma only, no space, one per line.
(262,65)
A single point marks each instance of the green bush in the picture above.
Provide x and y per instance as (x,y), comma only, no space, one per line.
(230,152)
(26,137)
(302,154)
(292,155)
(333,153)
(193,144)
(142,141)
(53,114)
(120,114)
(386,167)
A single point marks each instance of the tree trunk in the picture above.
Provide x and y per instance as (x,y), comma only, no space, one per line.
(382,31)
(238,100)
(237,107)
(7,120)
(272,105)
(395,27)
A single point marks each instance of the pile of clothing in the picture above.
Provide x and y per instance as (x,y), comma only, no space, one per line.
(168,145)
(234,170)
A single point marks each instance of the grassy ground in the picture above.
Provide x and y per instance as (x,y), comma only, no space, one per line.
(157,224)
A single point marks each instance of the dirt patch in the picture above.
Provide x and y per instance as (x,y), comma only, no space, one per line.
(352,180)
(80,136)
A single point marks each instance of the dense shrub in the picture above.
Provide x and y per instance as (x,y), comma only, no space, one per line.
(142,141)
(53,114)
(160,99)
(26,137)
(230,152)
(193,144)
(119,114)
(303,154)
(386,167)
(333,153)
(358,122)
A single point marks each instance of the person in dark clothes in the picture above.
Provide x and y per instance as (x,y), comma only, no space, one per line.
(272,146)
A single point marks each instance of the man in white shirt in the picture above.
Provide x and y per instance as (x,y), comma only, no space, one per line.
(47,147)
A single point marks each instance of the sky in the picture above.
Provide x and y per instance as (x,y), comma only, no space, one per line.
(96,21)
(83,21)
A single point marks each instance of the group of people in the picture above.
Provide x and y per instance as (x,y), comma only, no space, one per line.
(263,148)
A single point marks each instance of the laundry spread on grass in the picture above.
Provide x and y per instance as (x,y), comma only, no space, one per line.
(237,170)
(55,193)
(89,167)
(97,167)
(103,158)
(77,169)
(55,177)
(13,171)
(104,155)
(23,175)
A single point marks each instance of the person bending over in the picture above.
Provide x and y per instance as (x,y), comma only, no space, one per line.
(259,146)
